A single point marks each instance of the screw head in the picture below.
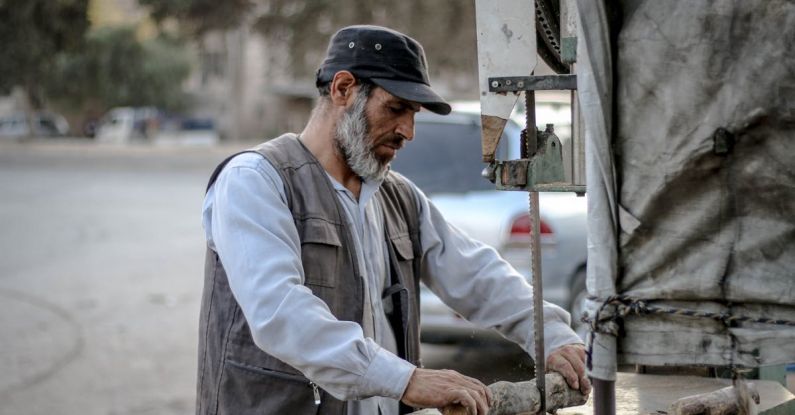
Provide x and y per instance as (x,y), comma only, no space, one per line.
(495,84)
(520,84)
(489,173)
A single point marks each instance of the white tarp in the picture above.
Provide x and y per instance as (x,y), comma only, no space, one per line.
(680,216)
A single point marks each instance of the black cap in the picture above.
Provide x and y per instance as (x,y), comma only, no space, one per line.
(385,57)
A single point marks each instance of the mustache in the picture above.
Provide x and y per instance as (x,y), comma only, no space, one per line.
(393,140)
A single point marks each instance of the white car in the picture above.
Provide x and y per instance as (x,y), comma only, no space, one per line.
(45,124)
(444,160)
(126,124)
(123,124)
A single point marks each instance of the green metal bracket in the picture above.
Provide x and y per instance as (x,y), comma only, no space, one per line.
(543,172)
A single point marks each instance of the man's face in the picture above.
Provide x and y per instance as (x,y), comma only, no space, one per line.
(372,130)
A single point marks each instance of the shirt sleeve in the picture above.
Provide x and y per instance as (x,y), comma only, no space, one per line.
(471,278)
(248,223)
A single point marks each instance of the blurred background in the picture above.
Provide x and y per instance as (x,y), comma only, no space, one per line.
(113,113)
(244,68)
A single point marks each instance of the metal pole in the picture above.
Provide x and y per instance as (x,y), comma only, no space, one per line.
(604,396)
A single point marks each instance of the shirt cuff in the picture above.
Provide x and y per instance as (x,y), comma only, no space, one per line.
(387,375)
(556,335)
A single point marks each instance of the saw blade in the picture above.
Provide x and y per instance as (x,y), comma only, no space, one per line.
(530,147)
(538,301)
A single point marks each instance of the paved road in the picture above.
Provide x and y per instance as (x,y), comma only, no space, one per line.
(101,260)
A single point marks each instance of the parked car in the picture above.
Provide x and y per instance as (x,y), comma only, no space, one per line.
(126,124)
(444,160)
(45,124)
(123,124)
(188,131)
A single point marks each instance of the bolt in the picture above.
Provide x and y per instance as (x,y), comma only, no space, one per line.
(508,82)
(495,84)
(520,84)
(489,173)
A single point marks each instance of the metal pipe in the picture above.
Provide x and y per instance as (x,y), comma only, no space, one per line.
(604,396)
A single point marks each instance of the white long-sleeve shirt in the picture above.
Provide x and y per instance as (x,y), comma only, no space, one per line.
(246,219)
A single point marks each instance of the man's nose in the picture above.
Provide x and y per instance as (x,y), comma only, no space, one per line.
(406,127)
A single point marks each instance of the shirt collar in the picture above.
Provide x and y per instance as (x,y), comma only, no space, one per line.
(369,188)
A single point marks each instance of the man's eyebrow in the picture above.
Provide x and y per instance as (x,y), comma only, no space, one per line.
(408,104)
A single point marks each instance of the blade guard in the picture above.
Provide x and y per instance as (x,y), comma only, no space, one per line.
(506,47)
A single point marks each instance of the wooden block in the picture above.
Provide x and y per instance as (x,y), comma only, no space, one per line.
(654,394)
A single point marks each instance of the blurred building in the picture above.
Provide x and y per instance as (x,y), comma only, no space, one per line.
(246,78)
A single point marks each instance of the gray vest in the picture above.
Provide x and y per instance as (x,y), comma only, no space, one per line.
(235,377)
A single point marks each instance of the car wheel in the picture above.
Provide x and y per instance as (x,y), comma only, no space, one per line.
(579,295)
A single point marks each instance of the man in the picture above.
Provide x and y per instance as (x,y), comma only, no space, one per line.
(316,249)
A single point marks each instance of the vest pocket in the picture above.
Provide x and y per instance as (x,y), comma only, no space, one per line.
(404,254)
(247,389)
(404,297)
(268,372)
(403,247)
(321,249)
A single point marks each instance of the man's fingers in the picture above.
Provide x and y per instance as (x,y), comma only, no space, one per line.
(430,388)
(466,400)
(475,401)
(480,391)
(489,396)
(483,403)
(559,363)
(581,352)
(585,385)
(569,361)
(577,361)
(576,357)
(484,390)
(568,372)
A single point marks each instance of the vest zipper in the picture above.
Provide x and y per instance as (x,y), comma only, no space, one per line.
(406,326)
(316,392)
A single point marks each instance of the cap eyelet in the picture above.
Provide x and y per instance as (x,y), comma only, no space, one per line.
(351,45)
(377,46)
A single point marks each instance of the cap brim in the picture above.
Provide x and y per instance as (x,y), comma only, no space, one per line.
(416,92)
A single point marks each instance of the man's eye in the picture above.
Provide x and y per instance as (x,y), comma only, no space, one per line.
(396,110)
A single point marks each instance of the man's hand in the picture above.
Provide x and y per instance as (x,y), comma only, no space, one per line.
(429,388)
(569,361)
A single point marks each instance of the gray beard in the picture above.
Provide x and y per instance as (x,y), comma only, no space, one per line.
(350,138)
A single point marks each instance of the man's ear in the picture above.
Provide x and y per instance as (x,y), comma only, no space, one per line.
(343,88)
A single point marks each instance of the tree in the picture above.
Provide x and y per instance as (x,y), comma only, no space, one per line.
(199,16)
(32,36)
(115,69)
